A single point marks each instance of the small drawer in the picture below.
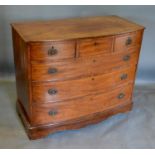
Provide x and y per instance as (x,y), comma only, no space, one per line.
(96,46)
(50,92)
(77,108)
(127,42)
(53,50)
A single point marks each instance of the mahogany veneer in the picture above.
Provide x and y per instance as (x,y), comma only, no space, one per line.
(74,72)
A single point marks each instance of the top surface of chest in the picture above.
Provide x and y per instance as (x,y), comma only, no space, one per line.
(75,28)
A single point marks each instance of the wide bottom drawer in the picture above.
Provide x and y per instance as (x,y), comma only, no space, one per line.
(74,109)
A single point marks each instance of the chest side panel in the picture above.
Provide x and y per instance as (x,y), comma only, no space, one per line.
(22,70)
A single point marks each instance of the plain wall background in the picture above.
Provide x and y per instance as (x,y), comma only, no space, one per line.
(144,15)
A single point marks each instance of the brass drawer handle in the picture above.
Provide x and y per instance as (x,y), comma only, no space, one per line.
(126,57)
(124,76)
(121,95)
(52,91)
(128,41)
(52,70)
(53,112)
(52,51)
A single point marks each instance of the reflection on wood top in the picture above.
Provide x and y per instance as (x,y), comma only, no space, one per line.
(73,28)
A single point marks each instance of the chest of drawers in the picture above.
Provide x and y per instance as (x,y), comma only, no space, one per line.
(74,72)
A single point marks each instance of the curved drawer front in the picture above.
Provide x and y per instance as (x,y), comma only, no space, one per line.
(81,67)
(63,90)
(74,109)
(95,46)
(52,50)
(128,41)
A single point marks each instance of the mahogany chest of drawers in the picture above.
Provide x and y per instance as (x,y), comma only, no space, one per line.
(74,72)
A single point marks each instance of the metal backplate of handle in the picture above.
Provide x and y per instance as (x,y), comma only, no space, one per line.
(52,51)
(53,112)
(52,70)
(52,91)
(121,95)
(123,76)
(126,57)
(128,41)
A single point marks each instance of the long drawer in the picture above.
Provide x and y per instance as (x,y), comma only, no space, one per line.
(74,109)
(81,67)
(63,90)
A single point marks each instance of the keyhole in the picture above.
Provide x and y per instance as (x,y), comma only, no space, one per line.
(95,43)
(93,79)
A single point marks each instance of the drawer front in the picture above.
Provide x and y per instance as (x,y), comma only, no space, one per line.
(74,109)
(53,51)
(96,46)
(78,68)
(127,41)
(63,90)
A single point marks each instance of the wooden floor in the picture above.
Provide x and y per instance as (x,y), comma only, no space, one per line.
(131,130)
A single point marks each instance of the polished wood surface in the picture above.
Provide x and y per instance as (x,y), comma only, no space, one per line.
(74,72)
(95,46)
(43,52)
(40,131)
(122,44)
(80,87)
(78,68)
(72,109)
(75,28)
(22,70)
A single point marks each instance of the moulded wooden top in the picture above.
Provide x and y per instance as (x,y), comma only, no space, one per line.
(74,28)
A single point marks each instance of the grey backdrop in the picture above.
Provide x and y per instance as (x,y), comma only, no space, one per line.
(144,15)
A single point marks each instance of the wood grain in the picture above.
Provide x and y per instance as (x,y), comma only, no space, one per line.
(76,108)
(121,41)
(21,61)
(36,132)
(95,46)
(74,72)
(65,50)
(81,67)
(75,28)
(72,89)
